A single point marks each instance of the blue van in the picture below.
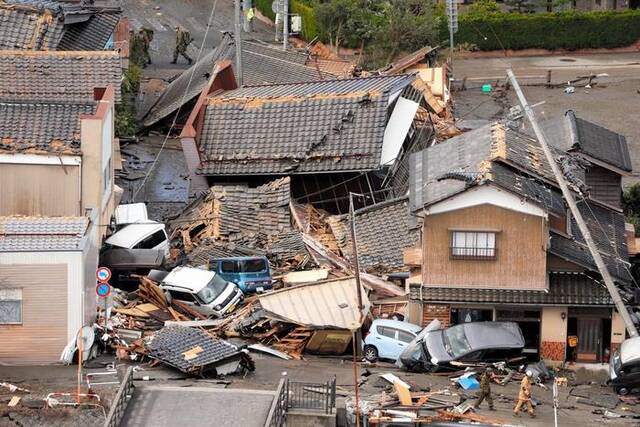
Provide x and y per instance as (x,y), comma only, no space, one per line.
(251,274)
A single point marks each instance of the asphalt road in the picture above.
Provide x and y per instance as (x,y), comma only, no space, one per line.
(160,406)
(618,66)
(162,16)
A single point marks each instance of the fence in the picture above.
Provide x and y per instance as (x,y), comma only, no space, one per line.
(301,395)
(120,401)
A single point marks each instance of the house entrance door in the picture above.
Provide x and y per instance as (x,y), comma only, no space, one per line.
(589,339)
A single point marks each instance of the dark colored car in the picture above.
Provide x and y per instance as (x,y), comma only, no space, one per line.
(436,348)
(125,263)
(624,367)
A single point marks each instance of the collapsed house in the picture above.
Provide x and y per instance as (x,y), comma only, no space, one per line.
(262,63)
(498,242)
(331,137)
(54,25)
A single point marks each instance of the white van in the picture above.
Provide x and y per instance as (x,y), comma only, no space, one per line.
(204,290)
(147,235)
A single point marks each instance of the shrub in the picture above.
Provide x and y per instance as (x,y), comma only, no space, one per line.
(559,30)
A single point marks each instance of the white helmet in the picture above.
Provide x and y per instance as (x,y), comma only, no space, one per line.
(529,373)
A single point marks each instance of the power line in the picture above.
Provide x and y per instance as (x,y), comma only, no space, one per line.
(184,96)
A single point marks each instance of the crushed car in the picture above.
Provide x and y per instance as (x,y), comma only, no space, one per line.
(127,265)
(624,367)
(205,291)
(251,274)
(435,348)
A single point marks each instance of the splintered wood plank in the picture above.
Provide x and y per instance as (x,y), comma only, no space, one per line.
(404,395)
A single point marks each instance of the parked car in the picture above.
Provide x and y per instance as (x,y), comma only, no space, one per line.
(125,263)
(436,348)
(624,367)
(388,338)
(143,235)
(251,274)
(204,290)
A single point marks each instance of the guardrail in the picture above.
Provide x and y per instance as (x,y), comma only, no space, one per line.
(120,401)
(300,395)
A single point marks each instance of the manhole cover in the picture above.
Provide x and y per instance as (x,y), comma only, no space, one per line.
(567,60)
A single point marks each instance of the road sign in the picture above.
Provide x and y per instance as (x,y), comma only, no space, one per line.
(103,290)
(275,6)
(103,274)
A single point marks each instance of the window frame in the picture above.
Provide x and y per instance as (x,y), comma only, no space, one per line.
(471,246)
(21,301)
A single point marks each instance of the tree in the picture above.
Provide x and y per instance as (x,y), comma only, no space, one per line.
(482,7)
(631,205)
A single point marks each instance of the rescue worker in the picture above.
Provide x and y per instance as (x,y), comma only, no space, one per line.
(524,396)
(183,39)
(485,389)
(146,36)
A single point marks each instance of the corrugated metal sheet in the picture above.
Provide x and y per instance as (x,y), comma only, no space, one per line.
(43,333)
(328,304)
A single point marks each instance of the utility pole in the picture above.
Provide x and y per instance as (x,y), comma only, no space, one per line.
(356,336)
(452,17)
(285,25)
(568,196)
(238,41)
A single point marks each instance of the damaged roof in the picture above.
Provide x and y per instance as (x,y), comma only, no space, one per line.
(514,161)
(383,232)
(334,125)
(57,76)
(42,234)
(262,64)
(564,289)
(36,128)
(571,133)
(53,25)
(324,305)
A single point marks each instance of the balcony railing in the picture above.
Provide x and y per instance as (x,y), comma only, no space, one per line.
(473,253)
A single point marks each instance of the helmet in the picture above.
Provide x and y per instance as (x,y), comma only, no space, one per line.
(529,373)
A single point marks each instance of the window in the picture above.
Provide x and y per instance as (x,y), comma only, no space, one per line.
(10,306)
(473,244)
(405,336)
(151,241)
(253,266)
(387,332)
(182,296)
(228,267)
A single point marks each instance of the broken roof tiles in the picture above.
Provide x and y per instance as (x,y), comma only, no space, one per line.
(384,231)
(564,288)
(53,25)
(38,128)
(57,76)
(262,64)
(571,133)
(35,234)
(335,125)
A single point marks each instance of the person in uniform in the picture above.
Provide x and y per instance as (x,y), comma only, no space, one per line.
(524,396)
(485,389)
(183,39)
(146,36)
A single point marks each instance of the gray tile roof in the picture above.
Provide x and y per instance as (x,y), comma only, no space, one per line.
(41,234)
(52,25)
(564,288)
(383,232)
(573,133)
(262,64)
(514,161)
(30,25)
(39,127)
(335,125)
(57,76)
(92,34)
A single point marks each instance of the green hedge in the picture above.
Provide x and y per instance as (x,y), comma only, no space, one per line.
(560,30)
(309,27)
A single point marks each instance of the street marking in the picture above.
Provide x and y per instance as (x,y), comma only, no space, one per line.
(156,24)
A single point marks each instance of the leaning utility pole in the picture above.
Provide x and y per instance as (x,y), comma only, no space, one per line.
(238,41)
(568,196)
(356,336)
